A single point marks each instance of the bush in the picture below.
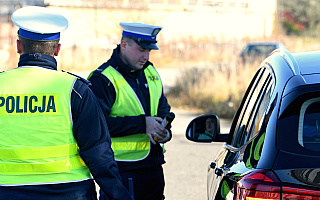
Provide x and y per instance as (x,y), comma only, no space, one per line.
(216,90)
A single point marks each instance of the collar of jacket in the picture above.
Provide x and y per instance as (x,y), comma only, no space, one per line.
(38,59)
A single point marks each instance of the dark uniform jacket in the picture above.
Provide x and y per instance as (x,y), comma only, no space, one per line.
(91,133)
(121,126)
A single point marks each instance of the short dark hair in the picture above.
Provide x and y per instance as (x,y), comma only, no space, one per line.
(38,46)
(129,40)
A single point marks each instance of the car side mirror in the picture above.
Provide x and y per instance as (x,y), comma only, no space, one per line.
(205,128)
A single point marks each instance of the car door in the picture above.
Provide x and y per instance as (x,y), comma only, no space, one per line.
(247,121)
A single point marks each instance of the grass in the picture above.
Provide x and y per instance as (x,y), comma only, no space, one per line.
(212,90)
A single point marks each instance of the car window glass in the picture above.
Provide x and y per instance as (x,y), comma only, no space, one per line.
(297,129)
(260,49)
(238,130)
(251,49)
(258,114)
(267,48)
(309,125)
(256,122)
(241,133)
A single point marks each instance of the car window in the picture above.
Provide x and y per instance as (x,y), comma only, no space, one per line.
(260,110)
(261,49)
(239,128)
(299,123)
(268,48)
(309,124)
(241,131)
(250,153)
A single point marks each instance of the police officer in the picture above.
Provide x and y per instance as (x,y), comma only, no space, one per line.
(53,133)
(129,90)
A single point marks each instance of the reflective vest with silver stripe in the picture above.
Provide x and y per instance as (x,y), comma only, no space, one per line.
(37,144)
(137,146)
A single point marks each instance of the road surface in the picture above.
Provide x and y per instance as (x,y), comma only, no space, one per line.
(187,161)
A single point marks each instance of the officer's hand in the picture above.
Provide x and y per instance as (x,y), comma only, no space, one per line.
(154,129)
(166,138)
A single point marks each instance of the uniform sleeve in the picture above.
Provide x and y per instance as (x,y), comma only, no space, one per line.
(118,126)
(92,135)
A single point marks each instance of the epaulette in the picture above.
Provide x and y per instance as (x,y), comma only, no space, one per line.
(82,86)
(80,78)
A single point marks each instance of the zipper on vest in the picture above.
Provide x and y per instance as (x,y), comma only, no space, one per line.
(138,88)
(140,96)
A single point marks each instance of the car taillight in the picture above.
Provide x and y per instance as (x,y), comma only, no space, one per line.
(258,185)
(264,185)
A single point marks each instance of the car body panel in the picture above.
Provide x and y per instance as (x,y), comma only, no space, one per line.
(307,177)
(213,180)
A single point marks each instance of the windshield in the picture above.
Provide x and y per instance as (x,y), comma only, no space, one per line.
(262,49)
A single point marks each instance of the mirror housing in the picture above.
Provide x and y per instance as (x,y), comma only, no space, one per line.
(205,128)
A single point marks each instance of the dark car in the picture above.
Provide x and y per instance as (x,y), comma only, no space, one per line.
(272,150)
(257,51)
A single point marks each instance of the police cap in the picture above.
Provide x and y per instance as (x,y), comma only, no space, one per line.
(39,23)
(144,35)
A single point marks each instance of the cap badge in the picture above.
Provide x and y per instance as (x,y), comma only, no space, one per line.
(155,31)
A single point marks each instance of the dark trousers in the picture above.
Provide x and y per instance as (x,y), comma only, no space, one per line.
(148,184)
(83,190)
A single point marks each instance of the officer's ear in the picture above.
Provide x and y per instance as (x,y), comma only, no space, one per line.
(19,47)
(56,52)
(123,44)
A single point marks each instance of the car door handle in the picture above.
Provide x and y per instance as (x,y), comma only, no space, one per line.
(218,171)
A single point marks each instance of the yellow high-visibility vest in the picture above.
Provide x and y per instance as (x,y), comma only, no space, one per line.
(137,146)
(37,144)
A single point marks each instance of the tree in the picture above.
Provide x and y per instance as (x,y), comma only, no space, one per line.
(300,16)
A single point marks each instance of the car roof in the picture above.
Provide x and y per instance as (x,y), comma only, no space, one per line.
(308,62)
(302,63)
(265,43)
